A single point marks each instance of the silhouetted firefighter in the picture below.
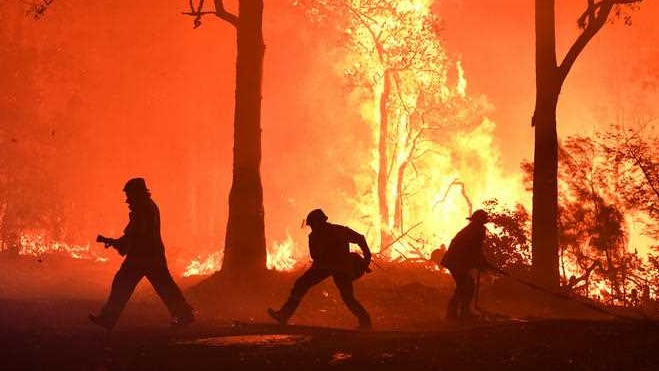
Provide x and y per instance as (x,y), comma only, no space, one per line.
(464,258)
(330,252)
(142,245)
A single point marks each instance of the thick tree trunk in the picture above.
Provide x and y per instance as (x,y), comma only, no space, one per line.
(245,249)
(545,198)
(545,170)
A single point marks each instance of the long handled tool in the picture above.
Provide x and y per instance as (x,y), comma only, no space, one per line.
(561,295)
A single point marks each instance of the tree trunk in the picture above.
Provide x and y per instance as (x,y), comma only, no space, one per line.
(398,201)
(383,164)
(545,169)
(245,248)
(545,199)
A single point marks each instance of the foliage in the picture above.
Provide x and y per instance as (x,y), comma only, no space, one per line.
(606,182)
(508,246)
(636,162)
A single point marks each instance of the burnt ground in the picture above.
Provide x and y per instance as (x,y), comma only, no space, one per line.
(43,310)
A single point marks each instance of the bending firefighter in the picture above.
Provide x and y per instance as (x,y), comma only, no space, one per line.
(330,252)
(464,258)
(145,257)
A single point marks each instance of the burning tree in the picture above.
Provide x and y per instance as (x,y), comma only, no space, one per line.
(606,184)
(397,65)
(634,152)
(549,79)
(592,217)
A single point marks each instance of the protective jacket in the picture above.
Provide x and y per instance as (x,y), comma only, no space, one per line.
(329,246)
(141,238)
(466,249)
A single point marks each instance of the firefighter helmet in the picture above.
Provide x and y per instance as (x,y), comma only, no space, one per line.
(479,216)
(316,216)
(136,185)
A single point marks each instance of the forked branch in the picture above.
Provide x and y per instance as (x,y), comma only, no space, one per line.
(219,12)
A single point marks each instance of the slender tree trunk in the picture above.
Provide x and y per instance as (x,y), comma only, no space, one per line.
(383,164)
(545,169)
(398,203)
(245,249)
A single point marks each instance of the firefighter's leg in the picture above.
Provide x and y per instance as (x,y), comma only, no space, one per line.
(344,284)
(162,281)
(310,278)
(123,285)
(467,291)
(454,308)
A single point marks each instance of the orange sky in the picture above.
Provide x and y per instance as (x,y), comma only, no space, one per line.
(135,90)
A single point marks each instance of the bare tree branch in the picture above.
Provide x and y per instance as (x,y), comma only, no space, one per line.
(596,14)
(384,248)
(463,191)
(222,13)
(219,12)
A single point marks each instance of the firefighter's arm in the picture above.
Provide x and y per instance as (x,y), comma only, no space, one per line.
(486,265)
(313,249)
(131,234)
(360,241)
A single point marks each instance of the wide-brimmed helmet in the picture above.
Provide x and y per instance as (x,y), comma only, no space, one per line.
(135,185)
(316,216)
(479,216)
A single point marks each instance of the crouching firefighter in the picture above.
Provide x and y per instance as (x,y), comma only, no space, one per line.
(330,252)
(464,259)
(142,245)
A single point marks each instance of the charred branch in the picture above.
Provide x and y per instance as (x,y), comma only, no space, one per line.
(386,247)
(591,21)
(219,12)
(456,182)
(37,9)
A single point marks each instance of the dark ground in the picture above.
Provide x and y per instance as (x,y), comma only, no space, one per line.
(43,310)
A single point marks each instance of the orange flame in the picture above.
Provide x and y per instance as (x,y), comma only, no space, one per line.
(210,265)
(38,245)
(281,255)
